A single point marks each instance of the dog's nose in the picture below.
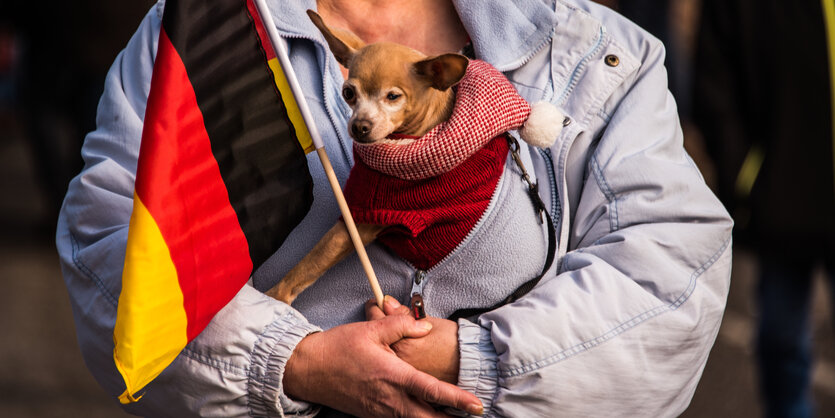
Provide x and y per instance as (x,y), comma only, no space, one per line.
(360,129)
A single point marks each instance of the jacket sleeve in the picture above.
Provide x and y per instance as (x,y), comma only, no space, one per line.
(625,326)
(235,366)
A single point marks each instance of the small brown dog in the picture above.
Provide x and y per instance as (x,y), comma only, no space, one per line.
(390,88)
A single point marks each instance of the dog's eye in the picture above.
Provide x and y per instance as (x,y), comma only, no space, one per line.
(393,96)
(348,94)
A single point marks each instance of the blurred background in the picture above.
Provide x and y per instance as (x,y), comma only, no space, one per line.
(745,95)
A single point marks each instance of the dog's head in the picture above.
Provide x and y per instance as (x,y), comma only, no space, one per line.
(392,88)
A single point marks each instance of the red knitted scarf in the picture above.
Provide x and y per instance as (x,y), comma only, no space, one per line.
(429,218)
(432,190)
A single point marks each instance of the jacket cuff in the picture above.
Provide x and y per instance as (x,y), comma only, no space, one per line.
(478,372)
(269,357)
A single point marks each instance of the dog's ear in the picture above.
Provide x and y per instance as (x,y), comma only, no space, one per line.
(342,43)
(443,71)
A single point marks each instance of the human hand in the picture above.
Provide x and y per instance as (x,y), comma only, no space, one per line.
(435,353)
(352,368)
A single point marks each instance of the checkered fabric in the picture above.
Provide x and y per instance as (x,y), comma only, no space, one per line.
(486,105)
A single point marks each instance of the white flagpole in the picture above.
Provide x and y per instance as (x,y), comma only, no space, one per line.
(284,60)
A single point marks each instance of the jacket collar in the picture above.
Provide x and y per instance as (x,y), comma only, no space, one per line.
(504,33)
(507,33)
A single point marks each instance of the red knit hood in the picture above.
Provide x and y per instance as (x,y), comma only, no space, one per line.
(430,217)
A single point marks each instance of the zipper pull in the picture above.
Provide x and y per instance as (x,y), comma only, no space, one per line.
(417,305)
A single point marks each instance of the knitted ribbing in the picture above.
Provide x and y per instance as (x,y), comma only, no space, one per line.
(429,218)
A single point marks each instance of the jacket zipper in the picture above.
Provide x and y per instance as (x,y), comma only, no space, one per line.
(562,189)
(548,159)
(416,304)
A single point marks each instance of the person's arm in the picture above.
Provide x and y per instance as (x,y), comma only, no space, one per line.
(237,362)
(236,366)
(625,327)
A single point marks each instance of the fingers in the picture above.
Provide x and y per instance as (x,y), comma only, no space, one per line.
(434,391)
(420,409)
(390,305)
(372,311)
(393,307)
(393,328)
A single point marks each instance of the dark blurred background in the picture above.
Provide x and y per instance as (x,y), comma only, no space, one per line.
(53,58)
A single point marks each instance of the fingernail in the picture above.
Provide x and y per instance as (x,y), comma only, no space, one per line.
(475,409)
(425,325)
(391,302)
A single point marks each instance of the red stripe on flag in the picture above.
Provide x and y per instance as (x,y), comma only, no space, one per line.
(262,31)
(180,184)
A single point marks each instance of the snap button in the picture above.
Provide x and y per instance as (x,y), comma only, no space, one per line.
(612,60)
(566,121)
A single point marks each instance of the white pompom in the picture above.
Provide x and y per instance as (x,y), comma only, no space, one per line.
(543,125)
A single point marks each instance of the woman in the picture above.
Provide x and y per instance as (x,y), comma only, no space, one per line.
(621,326)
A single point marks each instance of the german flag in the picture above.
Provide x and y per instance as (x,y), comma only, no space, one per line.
(222,179)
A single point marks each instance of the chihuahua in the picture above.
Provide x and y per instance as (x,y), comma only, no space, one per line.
(390,88)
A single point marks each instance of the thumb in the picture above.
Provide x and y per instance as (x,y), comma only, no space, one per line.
(394,328)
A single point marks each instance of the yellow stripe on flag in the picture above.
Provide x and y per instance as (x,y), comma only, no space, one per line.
(150,321)
(292,107)
(829,22)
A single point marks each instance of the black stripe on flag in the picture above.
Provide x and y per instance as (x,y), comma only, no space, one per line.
(262,163)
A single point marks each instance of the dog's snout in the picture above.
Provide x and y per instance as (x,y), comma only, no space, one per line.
(360,129)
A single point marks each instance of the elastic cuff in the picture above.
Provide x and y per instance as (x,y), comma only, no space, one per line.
(477,373)
(269,356)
